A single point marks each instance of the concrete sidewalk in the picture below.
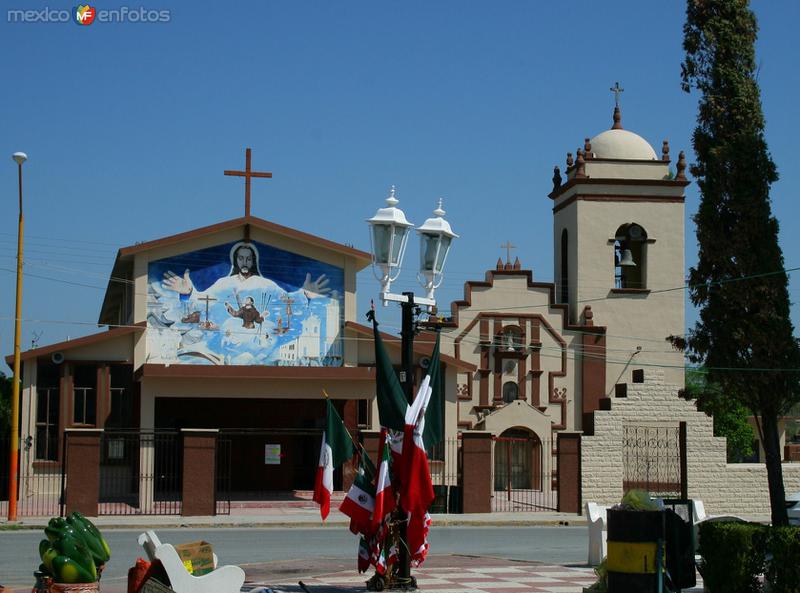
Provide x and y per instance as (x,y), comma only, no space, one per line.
(298,517)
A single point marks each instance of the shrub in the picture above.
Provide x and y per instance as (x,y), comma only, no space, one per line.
(733,556)
(783,571)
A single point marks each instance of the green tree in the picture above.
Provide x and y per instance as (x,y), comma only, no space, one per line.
(738,283)
(730,416)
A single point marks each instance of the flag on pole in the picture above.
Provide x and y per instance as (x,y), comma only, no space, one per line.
(434,413)
(363,555)
(417,492)
(359,504)
(337,447)
(392,403)
(384,495)
(417,536)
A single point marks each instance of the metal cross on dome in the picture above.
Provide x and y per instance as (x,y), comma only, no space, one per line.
(617,90)
(247,174)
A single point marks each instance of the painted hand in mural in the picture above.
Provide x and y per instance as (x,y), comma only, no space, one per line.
(318,286)
(174,282)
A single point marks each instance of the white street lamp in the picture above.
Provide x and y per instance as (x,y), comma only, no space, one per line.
(389,234)
(435,238)
(388,238)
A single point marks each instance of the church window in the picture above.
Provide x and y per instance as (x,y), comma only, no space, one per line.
(84,396)
(47,408)
(564,266)
(510,391)
(630,257)
(121,413)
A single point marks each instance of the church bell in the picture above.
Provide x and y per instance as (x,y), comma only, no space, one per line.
(627,259)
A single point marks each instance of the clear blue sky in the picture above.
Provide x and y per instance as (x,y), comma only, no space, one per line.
(129,127)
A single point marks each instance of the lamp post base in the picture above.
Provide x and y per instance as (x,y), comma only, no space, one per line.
(391,582)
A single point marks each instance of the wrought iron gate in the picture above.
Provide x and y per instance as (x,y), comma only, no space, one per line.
(222,477)
(444,460)
(654,459)
(39,480)
(524,474)
(140,473)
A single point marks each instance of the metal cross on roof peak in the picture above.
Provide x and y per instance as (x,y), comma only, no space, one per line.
(247,174)
(508,247)
(617,90)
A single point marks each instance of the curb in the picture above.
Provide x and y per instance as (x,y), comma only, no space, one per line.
(578,522)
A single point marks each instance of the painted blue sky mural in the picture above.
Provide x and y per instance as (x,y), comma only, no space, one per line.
(244,303)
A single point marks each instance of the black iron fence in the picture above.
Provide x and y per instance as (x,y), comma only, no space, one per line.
(38,480)
(654,460)
(444,460)
(222,477)
(524,475)
(141,472)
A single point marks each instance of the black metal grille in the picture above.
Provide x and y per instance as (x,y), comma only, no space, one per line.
(38,481)
(444,460)
(223,477)
(652,459)
(523,474)
(140,473)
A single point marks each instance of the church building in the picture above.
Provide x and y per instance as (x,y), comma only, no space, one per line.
(240,327)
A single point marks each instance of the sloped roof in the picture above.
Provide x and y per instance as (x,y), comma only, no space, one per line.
(89,340)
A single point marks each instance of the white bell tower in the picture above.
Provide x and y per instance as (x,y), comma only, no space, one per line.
(618,239)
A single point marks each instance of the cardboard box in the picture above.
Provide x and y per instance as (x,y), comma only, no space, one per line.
(197,557)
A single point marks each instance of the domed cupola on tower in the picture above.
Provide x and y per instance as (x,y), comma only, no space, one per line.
(618,244)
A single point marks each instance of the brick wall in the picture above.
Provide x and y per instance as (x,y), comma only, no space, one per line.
(739,488)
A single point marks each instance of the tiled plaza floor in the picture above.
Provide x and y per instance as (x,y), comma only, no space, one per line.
(461,574)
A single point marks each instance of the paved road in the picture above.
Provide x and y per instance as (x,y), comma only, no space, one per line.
(558,545)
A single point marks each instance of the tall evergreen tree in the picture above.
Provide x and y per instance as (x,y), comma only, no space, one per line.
(739,283)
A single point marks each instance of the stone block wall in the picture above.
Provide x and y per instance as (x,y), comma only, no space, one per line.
(724,488)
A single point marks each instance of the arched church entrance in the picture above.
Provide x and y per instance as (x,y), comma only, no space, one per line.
(523,469)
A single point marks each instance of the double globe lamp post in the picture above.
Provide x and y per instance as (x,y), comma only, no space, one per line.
(389,233)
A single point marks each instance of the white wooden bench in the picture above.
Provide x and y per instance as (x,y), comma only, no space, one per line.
(223,579)
(598,532)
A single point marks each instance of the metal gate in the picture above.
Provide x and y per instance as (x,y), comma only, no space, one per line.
(39,479)
(141,473)
(222,477)
(654,459)
(524,473)
(444,460)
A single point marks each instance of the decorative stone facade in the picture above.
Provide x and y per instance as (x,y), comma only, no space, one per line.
(739,488)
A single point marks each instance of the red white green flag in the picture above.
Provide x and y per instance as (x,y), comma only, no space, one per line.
(384,495)
(337,447)
(359,504)
(417,493)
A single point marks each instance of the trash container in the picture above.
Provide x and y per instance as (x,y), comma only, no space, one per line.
(680,543)
(635,550)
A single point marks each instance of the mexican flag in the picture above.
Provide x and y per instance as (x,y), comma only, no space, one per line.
(417,490)
(392,402)
(417,536)
(359,504)
(337,447)
(433,432)
(384,495)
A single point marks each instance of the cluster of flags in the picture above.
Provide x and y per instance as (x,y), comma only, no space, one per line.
(402,477)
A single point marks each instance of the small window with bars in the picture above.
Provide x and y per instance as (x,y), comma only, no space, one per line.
(84,396)
(46,447)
